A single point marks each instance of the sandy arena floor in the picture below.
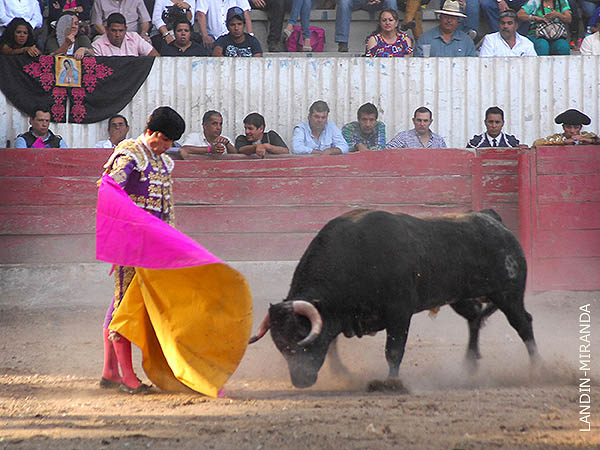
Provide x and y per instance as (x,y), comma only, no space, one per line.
(51,360)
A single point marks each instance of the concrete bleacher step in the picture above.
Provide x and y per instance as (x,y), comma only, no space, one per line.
(361,26)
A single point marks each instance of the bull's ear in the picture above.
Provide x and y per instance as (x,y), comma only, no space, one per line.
(317,304)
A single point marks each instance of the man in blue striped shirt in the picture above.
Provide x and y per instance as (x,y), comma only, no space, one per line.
(367,133)
(420,136)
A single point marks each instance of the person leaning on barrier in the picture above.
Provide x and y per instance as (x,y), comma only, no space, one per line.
(237,42)
(210,140)
(446,39)
(183,44)
(387,40)
(117,132)
(39,135)
(318,136)
(421,135)
(67,39)
(256,141)
(367,133)
(506,42)
(572,122)
(119,42)
(137,18)
(493,135)
(18,39)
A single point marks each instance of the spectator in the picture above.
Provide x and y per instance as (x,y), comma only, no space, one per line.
(39,135)
(117,132)
(445,39)
(211,15)
(18,39)
(318,136)
(236,42)
(493,136)
(119,42)
(420,136)
(67,40)
(183,44)
(470,25)
(256,141)
(506,42)
(539,12)
(210,140)
(344,14)
(493,8)
(173,11)
(413,18)
(300,8)
(275,10)
(137,19)
(81,8)
(29,10)
(573,122)
(367,133)
(387,39)
(591,44)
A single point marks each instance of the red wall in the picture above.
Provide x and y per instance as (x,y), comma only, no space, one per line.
(244,208)
(560,217)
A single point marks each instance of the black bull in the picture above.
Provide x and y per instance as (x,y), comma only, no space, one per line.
(366,271)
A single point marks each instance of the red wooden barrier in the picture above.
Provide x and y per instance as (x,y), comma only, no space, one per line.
(560,217)
(243,208)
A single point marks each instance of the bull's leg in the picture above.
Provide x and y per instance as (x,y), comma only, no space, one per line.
(470,310)
(475,313)
(395,344)
(511,304)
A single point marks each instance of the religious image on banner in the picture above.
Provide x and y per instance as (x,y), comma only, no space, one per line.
(68,71)
(76,91)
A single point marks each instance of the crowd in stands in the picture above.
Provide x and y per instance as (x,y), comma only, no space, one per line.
(224,28)
(319,135)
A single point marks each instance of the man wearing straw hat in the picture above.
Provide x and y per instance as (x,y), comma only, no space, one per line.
(446,40)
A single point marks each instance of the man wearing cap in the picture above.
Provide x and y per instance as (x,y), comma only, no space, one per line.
(211,16)
(572,122)
(446,39)
(493,136)
(236,42)
(507,42)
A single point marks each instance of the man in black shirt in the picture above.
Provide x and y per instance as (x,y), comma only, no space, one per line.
(257,141)
(237,42)
(183,44)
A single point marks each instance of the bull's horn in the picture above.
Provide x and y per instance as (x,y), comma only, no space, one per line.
(262,329)
(308,310)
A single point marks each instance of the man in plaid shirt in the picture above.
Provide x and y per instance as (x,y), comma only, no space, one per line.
(420,136)
(367,133)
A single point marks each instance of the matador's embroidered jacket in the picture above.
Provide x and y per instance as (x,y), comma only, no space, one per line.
(145,177)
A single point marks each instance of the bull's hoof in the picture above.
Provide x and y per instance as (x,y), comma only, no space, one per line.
(388,385)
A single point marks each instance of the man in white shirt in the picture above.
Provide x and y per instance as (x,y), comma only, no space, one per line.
(507,42)
(211,16)
(117,131)
(26,9)
(210,141)
(591,45)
